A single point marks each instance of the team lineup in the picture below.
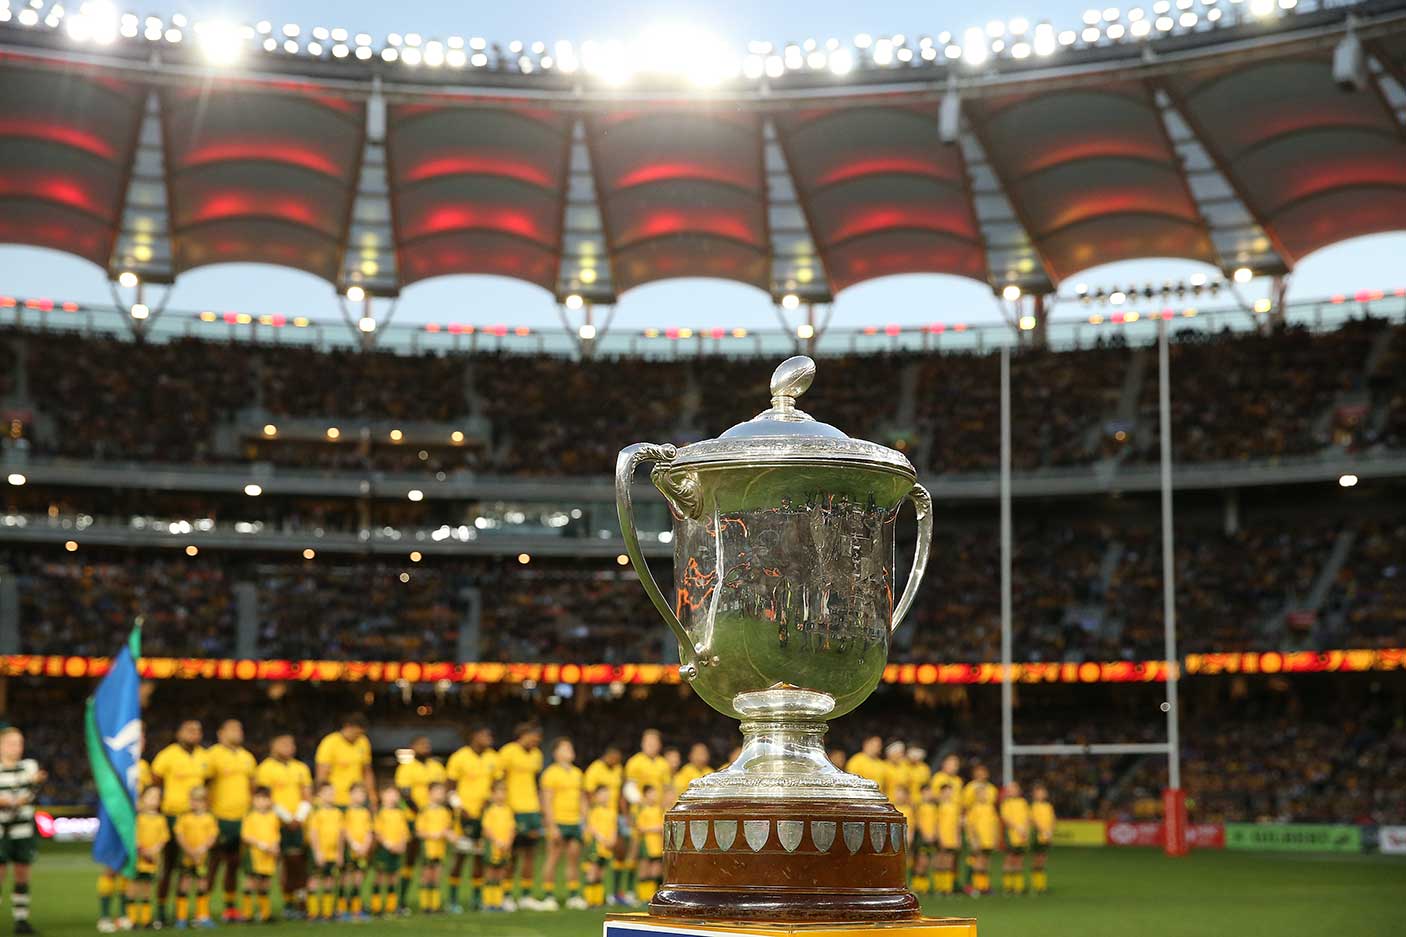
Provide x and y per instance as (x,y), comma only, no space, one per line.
(487,830)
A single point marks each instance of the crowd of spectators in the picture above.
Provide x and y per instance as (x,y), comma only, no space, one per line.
(83,606)
(1083,588)
(1235,396)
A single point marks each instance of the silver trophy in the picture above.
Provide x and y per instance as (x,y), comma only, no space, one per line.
(784,584)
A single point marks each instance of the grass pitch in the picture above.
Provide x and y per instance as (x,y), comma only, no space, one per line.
(1094,892)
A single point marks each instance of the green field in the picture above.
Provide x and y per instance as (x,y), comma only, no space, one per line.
(1094,892)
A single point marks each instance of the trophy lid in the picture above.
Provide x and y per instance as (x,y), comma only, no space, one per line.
(784,434)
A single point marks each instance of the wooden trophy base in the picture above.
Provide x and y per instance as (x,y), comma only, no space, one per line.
(785,862)
(645,925)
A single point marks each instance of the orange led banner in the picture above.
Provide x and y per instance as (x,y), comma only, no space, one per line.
(1147,671)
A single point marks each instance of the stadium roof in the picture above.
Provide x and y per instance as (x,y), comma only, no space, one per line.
(1236,146)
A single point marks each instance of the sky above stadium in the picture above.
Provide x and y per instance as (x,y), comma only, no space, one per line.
(1367,263)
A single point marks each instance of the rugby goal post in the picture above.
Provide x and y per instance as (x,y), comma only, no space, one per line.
(1173,798)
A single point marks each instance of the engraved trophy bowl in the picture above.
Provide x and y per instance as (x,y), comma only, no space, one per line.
(783,602)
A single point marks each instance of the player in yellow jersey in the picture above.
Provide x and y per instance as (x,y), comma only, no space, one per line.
(519,763)
(924,840)
(470,770)
(895,769)
(949,775)
(196,832)
(646,768)
(153,833)
(178,768)
(867,764)
(601,836)
(231,782)
(499,832)
(414,776)
(290,783)
(259,831)
(1015,817)
(564,810)
(325,839)
(919,774)
(392,831)
(697,767)
(649,824)
(608,772)
(982,826)
(949,838)
(344,757)
(434,825)
(1042,822)
(360,842)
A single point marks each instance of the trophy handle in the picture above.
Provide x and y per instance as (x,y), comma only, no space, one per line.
(630,459)
(922,506)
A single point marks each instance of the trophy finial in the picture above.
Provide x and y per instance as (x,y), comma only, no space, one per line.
(792,378)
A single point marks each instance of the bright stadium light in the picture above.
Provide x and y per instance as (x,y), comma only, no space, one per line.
(415,494)
(841,61)
(127,278)
(1011,293)
(334,433)
(309,554)
(1261,7)
(574,301)
(1244,274)
(16,479)
(140,311)
(219,42)
(270,430)
(974,48)
(790,301)
(1027,323)
(1347,481)
(805,331)
(253,490)
(366,324)
(587,332)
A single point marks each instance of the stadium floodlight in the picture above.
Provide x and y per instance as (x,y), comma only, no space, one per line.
(1020,50)
(355,294)
(1027,323)
(805,331)
(1011,293)
(1197,279)
(457,437)
(1261,7)
(1188,20)
(883,52)
(192,550)
(775,67)
(1164,24)
(127,278)
(974,48)
(333,433)
(71,546)
(140,311)
(1116,31)
(270,430)
(16,479)
(253,490)
(219,42)
(1117,297)
(1044,43)
(416,556)
(1243,274)
(574,301)
(366,324)
(1347,481)
(841,62)
(587,332)
(397,435)
(415,494)
(1263,305)
(622,560)
(995,29)
(790,301)
(1018,26)
(1213,15)
(1090,35)
(1140,29)
(524,558)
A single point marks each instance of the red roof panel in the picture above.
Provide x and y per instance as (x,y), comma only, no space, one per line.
(66,141)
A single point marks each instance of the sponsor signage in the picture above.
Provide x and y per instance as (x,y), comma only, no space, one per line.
(1150,833)
(1392,840)
(1294,837)
(1079,833)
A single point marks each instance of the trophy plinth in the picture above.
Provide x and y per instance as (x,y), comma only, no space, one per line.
(783,603)
(781,834)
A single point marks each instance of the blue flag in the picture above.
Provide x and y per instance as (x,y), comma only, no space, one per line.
(113,730)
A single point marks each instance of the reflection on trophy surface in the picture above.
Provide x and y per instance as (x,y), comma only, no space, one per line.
(783,602)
